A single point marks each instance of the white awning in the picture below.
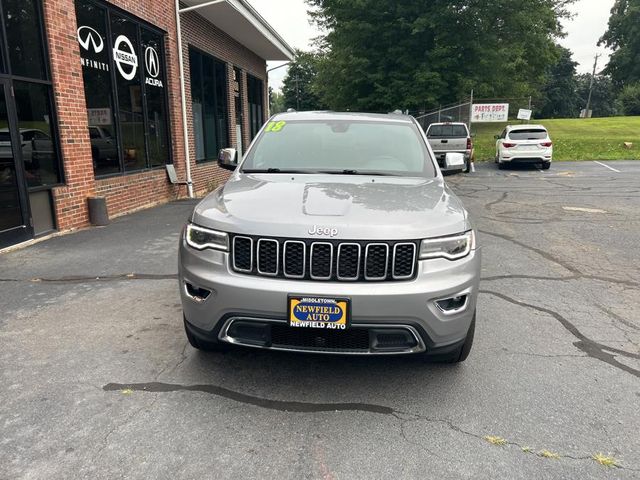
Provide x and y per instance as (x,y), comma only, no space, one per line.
(241,22)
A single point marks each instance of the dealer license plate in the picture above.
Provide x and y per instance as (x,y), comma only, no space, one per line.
(319,312)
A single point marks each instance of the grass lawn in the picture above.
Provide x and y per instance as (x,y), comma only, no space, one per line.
(573,138)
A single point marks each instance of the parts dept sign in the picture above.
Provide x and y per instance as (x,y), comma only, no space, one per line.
(490,112)
(125,56)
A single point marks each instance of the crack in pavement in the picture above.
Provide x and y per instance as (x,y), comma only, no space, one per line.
(283,406)
(95,278)
(306,407)
(530,277)
(577,273)
(544,254)
(490,205)
(542,355)
(592,348)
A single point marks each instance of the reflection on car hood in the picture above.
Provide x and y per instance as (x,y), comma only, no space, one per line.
(358,207)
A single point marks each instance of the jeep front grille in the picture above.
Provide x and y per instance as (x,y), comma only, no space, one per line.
(328,260)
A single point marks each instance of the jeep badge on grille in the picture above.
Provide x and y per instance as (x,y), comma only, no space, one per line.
(323,231)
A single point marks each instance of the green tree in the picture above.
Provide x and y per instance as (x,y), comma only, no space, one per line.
(381,55)
(623,37)
(276,101)
(298,86)
(629,99)
(559,94)
(603,98)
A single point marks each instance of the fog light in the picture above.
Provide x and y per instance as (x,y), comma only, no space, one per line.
(452,305)
(251,333)
(196,294)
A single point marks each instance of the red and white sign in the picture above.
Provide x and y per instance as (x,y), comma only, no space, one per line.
(490,112)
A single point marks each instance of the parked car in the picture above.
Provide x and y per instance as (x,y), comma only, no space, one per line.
(451,137)
(524,144)
(30,138)
(335,234)
(37,151)
(104,148)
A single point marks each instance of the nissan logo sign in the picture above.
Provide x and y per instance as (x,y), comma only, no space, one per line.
(125,58)
(89,37)
(152,62)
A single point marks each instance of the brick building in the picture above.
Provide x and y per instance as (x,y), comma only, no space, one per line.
(91,103)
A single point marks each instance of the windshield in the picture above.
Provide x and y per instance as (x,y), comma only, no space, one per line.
(528,134)
(447,131)
(340,146)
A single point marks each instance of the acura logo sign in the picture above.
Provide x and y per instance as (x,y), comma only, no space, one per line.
(125,58)
(152,62)
(89,37)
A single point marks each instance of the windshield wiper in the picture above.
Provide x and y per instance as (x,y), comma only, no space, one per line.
(275,170)
(356,172)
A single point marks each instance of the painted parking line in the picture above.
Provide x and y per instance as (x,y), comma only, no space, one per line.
(607,166)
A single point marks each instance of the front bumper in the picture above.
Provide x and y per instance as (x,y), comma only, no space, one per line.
(406,305)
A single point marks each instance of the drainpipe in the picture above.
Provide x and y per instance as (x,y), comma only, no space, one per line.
(183,95)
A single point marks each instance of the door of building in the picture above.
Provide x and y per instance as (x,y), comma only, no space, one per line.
(15,224)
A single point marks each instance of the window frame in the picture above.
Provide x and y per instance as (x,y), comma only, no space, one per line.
(253,129)
(227,136)
(6,72)
(140,24)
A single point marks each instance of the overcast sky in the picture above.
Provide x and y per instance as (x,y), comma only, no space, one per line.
(290,19)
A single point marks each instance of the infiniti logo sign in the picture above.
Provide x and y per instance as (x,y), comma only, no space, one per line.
(88,36)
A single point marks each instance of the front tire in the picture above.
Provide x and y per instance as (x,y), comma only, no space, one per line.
(501,166)
(467,166)
(546,165)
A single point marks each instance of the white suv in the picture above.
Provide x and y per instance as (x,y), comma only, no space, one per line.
(524,144)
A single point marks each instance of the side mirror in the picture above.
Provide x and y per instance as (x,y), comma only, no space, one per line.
(497,137)
(228,159)
(473,135)
(454,160)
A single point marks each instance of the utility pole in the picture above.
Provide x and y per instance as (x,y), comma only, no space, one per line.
(297,94)
(470,109)
(593,76)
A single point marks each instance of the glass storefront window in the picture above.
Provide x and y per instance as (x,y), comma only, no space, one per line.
(10,211)
(255,97)
(127,62)
(24,37)
(37,141)
(92,37)
(209,105)
(157,134)
(124,77)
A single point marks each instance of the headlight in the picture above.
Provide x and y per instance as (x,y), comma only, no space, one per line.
(451,248)
(201,238)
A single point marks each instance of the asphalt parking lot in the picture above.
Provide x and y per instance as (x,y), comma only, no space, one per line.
(98,380)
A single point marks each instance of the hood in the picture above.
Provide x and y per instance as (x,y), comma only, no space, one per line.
(338,207)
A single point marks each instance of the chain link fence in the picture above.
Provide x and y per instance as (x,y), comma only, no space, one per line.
(460,112)
(448,113)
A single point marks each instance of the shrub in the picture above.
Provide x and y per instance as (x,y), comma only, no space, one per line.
(629,99)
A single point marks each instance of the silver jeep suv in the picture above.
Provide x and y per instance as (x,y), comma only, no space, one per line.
(335,234)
